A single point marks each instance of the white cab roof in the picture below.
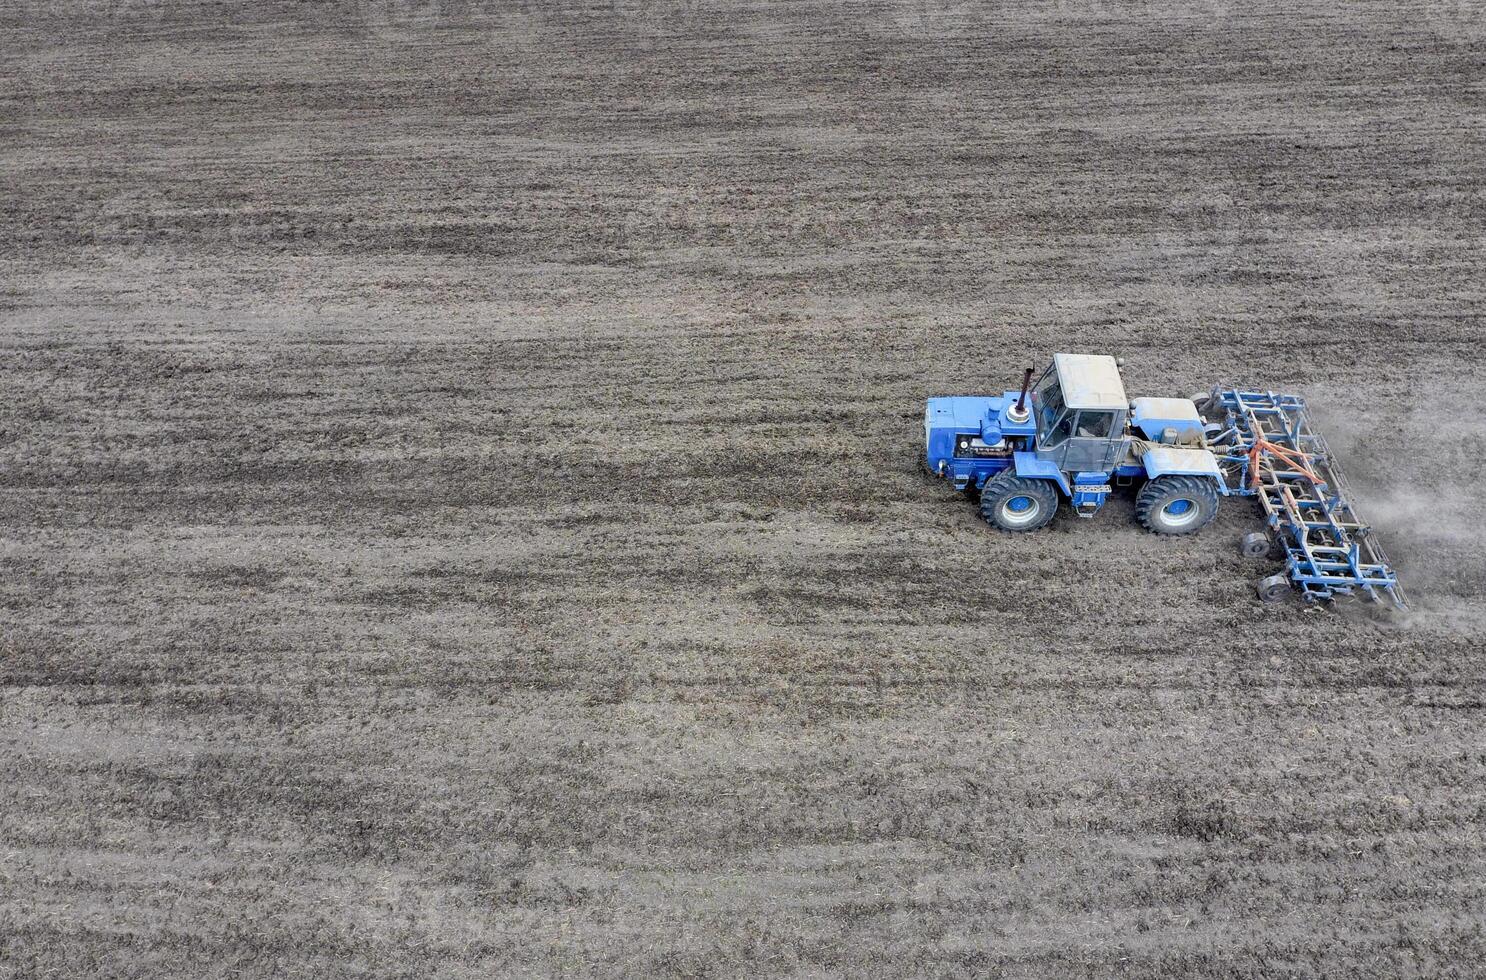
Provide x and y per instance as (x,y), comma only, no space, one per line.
(1090,381)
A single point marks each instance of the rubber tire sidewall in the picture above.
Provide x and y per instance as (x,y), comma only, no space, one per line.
(1158,493)
(1253,538)
(1000,488)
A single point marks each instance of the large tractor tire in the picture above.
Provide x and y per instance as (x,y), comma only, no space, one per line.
(1015,503)
(1177,504)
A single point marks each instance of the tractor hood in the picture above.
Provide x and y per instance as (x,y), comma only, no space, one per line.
(946,419)
(1166,419)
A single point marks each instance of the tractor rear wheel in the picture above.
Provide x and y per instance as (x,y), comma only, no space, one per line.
(1177,504)
(1015,503)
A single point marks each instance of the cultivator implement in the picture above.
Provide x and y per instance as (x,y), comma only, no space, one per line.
(1267,449)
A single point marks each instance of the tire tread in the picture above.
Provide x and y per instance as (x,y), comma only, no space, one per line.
(1155,492)
(1006,483)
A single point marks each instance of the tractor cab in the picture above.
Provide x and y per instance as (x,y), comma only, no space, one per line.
(1080,410)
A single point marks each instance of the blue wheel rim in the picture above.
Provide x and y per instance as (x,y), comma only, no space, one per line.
(1020,504)
(1178,507)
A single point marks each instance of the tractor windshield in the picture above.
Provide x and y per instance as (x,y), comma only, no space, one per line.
(1048,400)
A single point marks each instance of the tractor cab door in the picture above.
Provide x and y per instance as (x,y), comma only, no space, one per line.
(1082,441)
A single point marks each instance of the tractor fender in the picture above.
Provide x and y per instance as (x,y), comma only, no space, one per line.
(1176,461)
(1029,466)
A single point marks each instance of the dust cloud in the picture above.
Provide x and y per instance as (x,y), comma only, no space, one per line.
(1407,478)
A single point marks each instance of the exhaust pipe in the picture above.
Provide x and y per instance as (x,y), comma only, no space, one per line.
(1018,412)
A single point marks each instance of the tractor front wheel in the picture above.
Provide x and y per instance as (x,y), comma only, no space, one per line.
(1177,504)
(1015,503)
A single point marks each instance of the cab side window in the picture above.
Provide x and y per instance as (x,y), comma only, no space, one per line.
(1060,432)
(1048,398)
(1095,424)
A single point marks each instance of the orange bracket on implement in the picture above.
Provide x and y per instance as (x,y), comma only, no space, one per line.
(1299,460)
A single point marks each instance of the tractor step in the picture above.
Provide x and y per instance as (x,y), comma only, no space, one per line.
(1267,449)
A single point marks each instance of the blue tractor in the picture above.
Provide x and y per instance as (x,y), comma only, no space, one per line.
(1075,435)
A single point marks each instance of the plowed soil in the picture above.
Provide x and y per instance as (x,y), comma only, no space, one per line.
(461,508)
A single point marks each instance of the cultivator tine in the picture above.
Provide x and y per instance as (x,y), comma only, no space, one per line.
(1268,450)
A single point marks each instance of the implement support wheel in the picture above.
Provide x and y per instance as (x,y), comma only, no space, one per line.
(1274,588)
(1255,544)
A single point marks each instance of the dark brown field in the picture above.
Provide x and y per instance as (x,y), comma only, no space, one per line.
(461,510)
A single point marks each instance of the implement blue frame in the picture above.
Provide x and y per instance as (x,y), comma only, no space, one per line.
(1329,552)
